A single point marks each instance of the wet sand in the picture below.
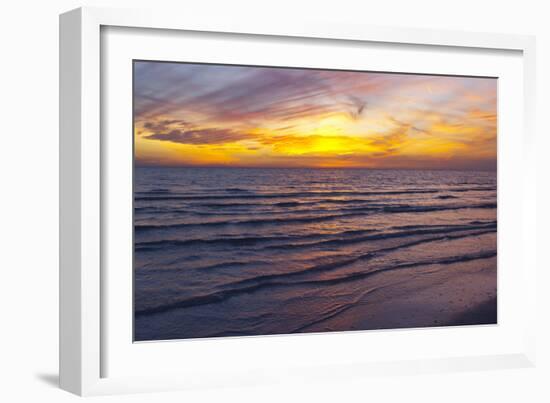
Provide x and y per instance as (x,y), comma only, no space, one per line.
(484,313)
(459,294)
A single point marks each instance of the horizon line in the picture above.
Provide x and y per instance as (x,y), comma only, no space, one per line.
(320,168)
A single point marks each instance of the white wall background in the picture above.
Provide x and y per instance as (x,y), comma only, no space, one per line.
(29,201)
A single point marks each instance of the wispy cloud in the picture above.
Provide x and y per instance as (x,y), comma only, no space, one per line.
(201,136)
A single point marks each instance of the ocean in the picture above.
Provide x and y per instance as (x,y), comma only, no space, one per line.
(237,252)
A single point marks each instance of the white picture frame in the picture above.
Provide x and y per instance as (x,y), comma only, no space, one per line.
(84,342)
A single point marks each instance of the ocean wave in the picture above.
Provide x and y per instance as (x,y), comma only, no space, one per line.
(280,204)
(383,236)
(305,194)
(353,212)
(256,221)
(344,237)
(145,270)
(236,241)
(425,209)
(276,280)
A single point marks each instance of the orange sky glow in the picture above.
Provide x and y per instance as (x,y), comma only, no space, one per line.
(217,115)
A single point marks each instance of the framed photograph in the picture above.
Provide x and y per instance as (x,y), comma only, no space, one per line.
(244,202)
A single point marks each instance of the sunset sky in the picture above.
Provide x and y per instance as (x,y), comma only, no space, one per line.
(214,115)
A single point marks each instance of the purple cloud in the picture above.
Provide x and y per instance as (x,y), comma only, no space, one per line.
(203,136)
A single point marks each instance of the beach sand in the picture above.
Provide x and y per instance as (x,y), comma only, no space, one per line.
(460,294)
(484,313)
